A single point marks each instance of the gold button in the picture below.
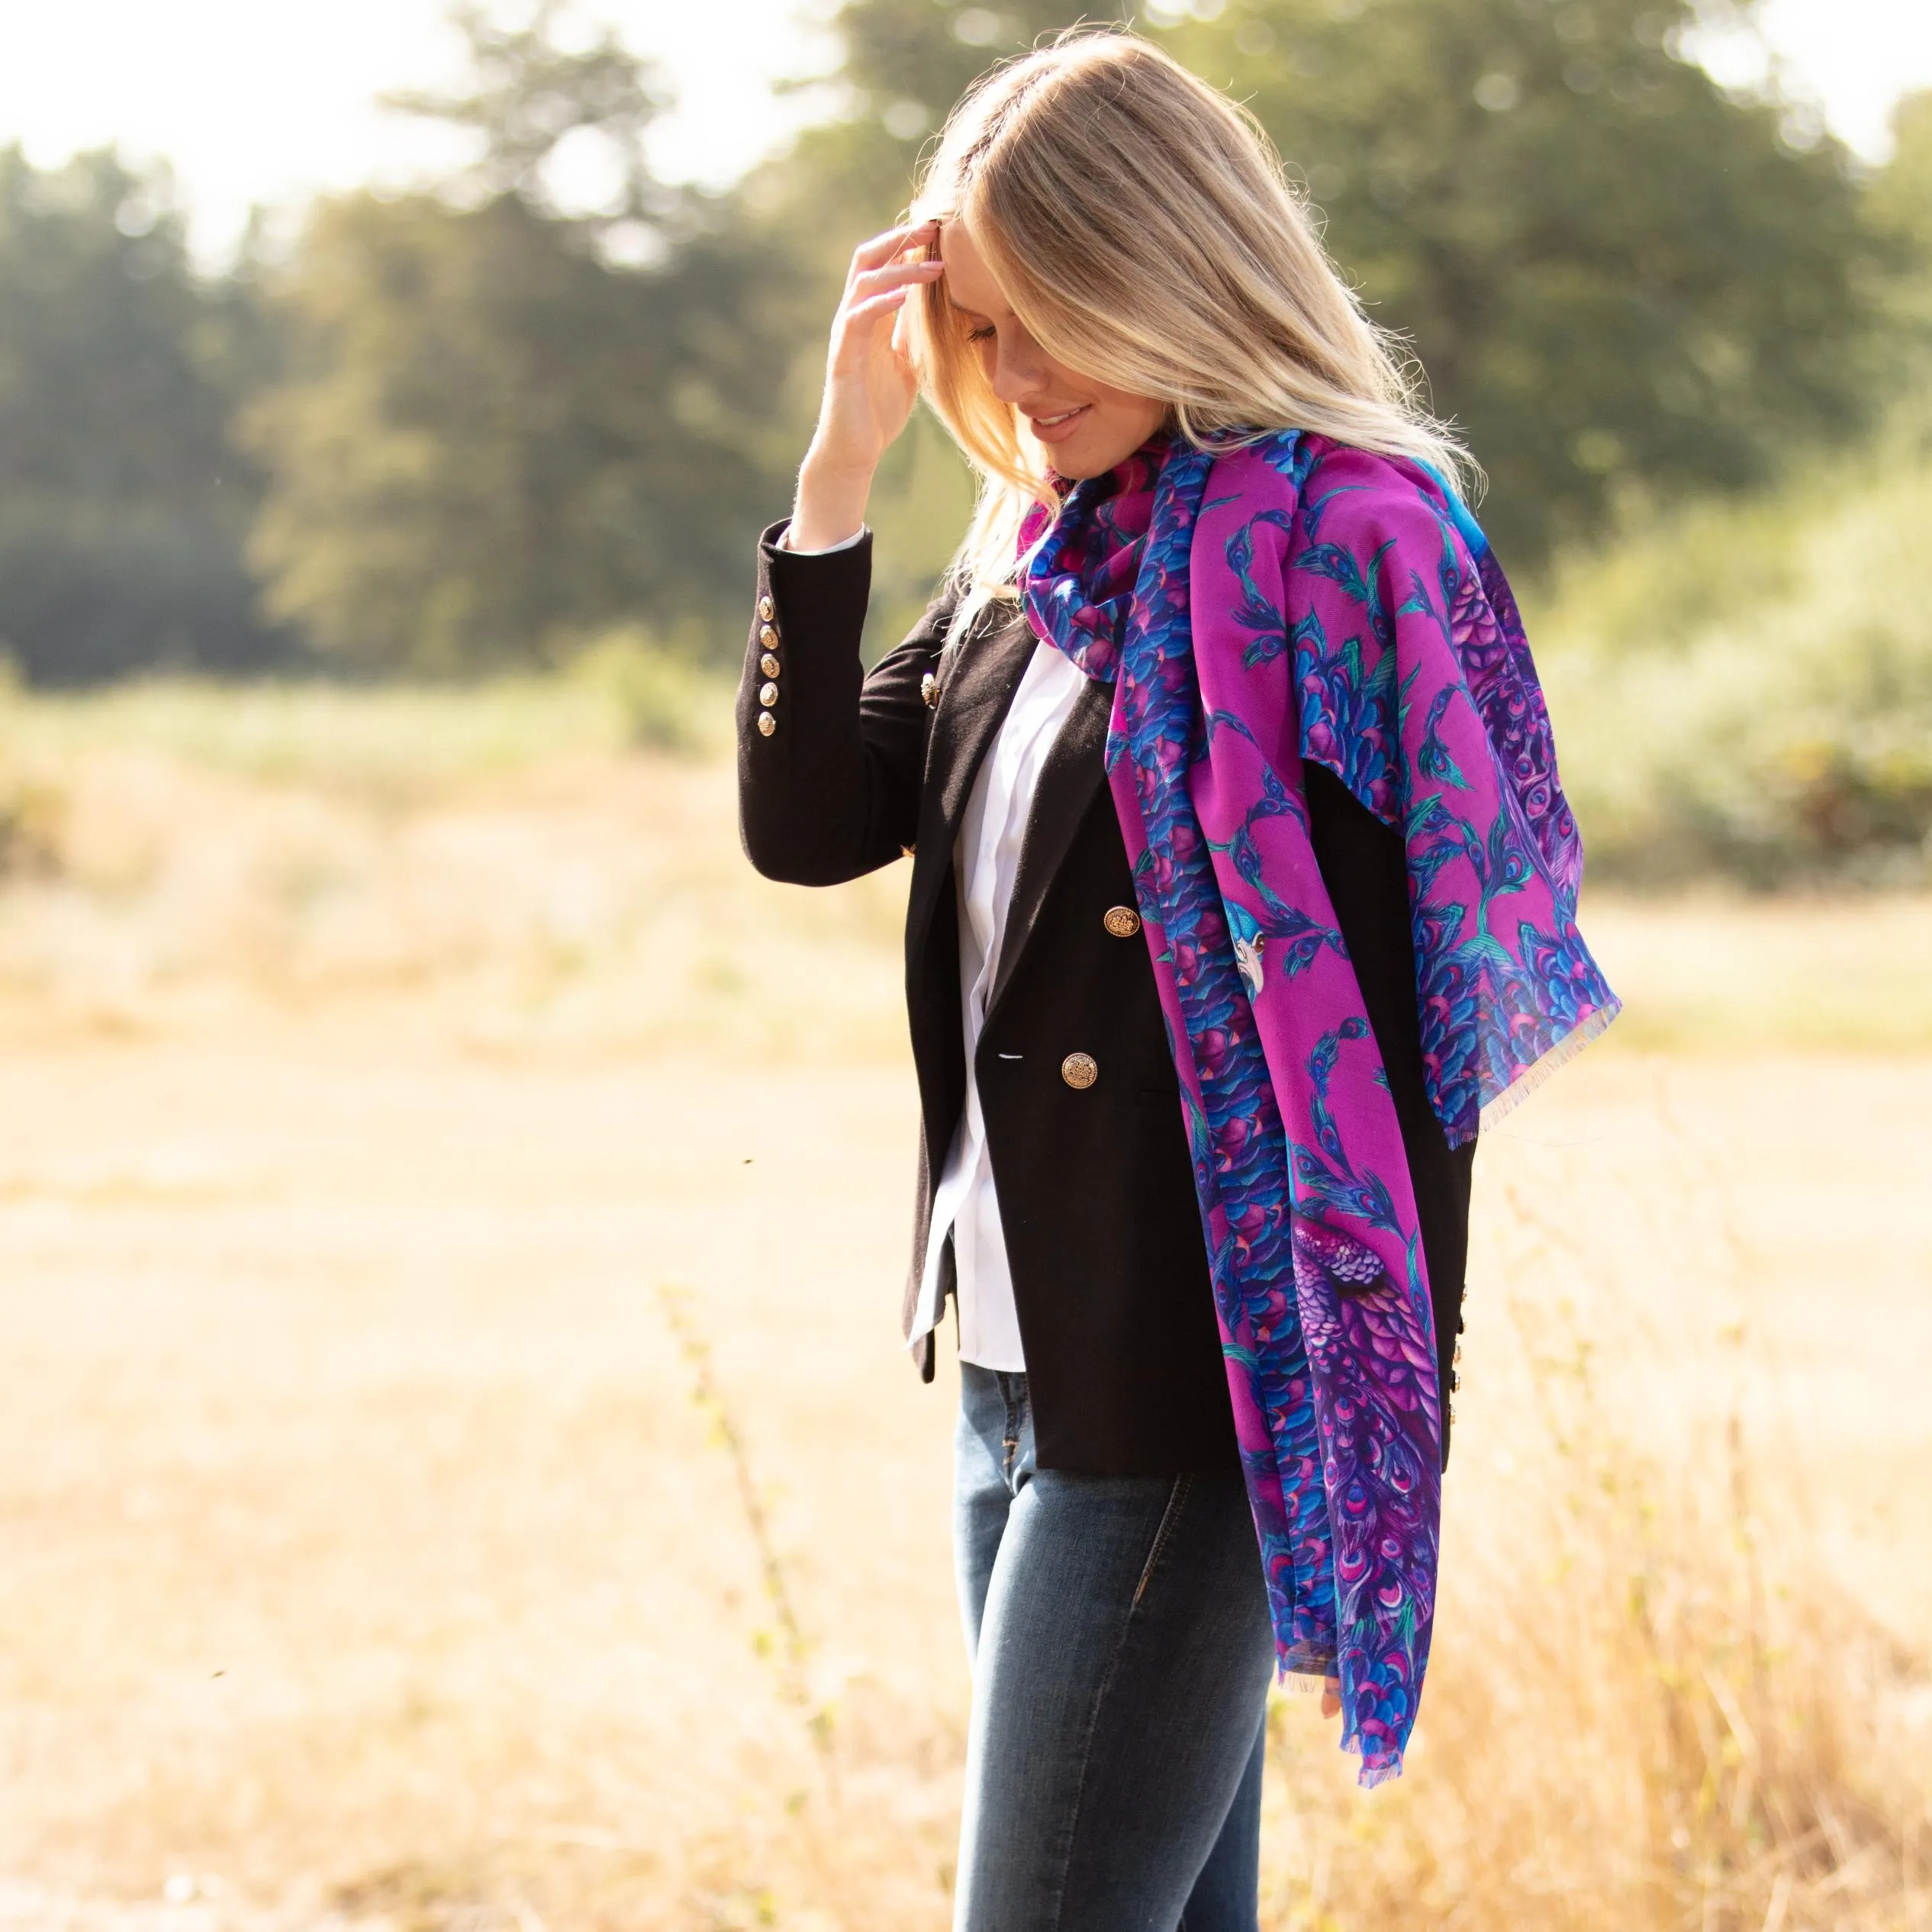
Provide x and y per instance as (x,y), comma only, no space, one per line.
(1079,1070)
(769,664)
(929,689)
(768,695)
(767,723)
(767,638)
(1122,921)
(766,610)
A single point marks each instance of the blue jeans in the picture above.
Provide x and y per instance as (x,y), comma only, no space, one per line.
(1118,1633)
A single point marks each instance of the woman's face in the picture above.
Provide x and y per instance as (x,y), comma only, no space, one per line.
(1087,427)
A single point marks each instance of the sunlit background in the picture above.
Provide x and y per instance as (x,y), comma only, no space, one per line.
(457,1467)
(265,105)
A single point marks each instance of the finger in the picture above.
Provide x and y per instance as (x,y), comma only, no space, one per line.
(894,274)
(882,248)
(867,312)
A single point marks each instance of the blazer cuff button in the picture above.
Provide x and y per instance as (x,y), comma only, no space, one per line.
(767,723)
(767,694)
(767,610)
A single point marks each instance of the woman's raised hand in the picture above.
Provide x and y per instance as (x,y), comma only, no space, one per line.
(869,385)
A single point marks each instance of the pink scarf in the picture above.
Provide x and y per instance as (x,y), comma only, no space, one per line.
(1256,609)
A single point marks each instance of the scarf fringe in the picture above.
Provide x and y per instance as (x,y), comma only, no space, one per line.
(1559,1056)
(1303,1679)
(1307,1678)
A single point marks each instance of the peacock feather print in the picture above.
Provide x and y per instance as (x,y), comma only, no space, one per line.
(1289,588)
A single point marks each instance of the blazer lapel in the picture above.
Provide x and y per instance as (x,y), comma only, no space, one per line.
(1074,771)
(973,704)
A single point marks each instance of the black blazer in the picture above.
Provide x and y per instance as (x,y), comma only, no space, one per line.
(1096,1184)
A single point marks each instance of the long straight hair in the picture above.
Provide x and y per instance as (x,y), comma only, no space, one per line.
(1143,228)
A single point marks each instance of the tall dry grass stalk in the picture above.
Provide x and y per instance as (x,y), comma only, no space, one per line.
(1653,1708)
(791,1650)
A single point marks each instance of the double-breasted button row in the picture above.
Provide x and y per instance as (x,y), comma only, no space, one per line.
(1122,921)
(1079,1070)
(770,663)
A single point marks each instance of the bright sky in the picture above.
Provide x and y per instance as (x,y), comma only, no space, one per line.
(269,100)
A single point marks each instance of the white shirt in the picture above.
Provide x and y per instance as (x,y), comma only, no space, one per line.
(986,857)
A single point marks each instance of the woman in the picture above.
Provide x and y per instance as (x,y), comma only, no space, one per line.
(1242,881)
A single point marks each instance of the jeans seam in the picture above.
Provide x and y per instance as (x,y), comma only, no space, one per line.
(1176,1496)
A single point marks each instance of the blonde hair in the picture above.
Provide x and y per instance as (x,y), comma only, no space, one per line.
(1143,228)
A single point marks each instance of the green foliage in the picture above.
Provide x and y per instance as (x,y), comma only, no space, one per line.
(1612,274)
(912,60)
(1901,194)
(123,503)
(1746,688)
(488,441)
(502,429)
(528,96)
(1901,201)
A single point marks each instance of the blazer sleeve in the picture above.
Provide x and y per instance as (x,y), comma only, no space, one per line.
(831,789)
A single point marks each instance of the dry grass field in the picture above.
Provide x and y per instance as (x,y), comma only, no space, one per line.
(457,1470)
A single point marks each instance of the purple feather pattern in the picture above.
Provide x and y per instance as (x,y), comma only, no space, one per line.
(1256,609)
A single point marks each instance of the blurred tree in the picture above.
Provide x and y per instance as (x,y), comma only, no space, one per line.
(561,128)
(1613,273)
(528,407)
(123,504)
(1901,205)
(1902,193)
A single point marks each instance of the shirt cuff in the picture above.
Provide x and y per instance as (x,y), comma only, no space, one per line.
(858,536)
